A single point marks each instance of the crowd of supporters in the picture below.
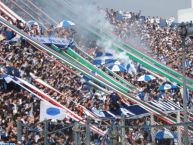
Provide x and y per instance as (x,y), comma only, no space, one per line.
(25,107)
(154,35)
(20,105)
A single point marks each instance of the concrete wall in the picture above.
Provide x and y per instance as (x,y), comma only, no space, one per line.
(191,3)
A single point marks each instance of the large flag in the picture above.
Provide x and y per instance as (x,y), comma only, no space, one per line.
(49,111)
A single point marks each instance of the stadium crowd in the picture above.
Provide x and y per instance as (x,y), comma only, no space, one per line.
(20,105)
(28,60)
(158,38)
(156,35)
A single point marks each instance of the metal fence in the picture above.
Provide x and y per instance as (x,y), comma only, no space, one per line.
(116,132)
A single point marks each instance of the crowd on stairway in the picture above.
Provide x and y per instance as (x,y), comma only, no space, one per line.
(17,104)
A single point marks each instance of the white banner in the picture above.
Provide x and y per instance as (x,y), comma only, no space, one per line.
(50,111)
(53,40)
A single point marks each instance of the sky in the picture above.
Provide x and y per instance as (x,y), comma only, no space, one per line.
(164,8)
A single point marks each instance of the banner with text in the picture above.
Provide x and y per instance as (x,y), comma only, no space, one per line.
(65,43)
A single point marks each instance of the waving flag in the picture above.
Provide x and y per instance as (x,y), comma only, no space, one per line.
(9,35)
(85,78)
(6,78)
(103,58)
(49,111)
(116,67)
(12,71)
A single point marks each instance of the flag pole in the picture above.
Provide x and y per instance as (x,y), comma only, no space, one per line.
(45,132)
(185,101)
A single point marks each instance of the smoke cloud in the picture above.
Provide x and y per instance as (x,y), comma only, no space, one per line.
(84,13)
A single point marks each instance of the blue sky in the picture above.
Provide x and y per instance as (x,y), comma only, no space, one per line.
(163,8)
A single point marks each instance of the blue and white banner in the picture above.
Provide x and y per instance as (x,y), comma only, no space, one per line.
(129,111)
(54,40)
(102,58)
(165,105)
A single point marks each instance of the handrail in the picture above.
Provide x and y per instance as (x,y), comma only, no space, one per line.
(12,14)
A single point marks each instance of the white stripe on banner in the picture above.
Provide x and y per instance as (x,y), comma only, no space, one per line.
(170,108)
(166,106)
(43,83)
(103,58)
(162,105)
(6,11)
(112,114)
(126,112)
(158,105)
(172,103)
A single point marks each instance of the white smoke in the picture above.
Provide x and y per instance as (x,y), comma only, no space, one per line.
(89,12)
(107,46)
(85,13)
